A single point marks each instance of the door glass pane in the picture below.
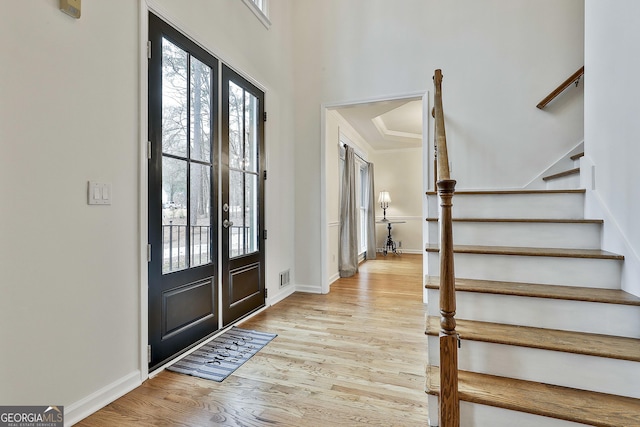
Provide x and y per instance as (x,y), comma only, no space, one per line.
(200,102)
(243,171)
(236,124)
(200,213)
(243,212)
(174,99)
(251,212)
(251,133)
(174,215)
(236,214)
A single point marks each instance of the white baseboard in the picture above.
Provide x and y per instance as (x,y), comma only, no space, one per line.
(334,277)
(310,289)
(412,251)
(101,398)
(282,294)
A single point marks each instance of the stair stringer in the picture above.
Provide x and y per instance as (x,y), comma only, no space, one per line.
(613,239)
(559,165)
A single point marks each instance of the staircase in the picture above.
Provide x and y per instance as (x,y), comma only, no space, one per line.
(563,174)
(547,336)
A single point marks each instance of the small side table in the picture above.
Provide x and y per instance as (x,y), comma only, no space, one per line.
(390,245)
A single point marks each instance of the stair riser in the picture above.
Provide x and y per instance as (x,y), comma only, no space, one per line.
(585,272)
(524,234)
(580,316)
(475,415)
(546,206)
(579,371)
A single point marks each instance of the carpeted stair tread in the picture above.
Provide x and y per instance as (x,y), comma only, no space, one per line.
(523,251)
(526,220)
(546,339)
(573,293)
(580,406)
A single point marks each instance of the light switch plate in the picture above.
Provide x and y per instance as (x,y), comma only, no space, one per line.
(99,193)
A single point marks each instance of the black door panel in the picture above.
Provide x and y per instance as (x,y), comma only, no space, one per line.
(183,271)
(242,197)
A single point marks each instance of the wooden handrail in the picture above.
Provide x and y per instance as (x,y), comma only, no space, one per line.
(575,77)
(441,137)
(449,408)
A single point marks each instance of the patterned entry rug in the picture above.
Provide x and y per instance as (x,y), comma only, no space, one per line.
(218,359)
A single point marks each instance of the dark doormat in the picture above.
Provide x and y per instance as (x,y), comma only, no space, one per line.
(220,357)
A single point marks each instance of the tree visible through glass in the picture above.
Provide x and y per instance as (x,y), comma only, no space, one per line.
(186,160)
(243,171)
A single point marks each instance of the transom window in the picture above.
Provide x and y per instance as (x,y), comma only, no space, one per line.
(261,9)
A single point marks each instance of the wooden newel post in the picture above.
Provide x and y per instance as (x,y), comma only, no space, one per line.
(449,403)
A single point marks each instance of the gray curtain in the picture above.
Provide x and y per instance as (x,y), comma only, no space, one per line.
(370,225)
(348,250)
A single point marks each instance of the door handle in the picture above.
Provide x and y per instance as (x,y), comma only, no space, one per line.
(226,223)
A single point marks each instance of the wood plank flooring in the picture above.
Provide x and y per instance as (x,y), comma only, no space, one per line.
(355,356)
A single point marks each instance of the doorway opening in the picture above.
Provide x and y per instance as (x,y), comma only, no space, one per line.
(393,134)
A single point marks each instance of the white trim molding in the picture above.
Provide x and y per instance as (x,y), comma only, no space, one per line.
(260,13)
(101,398)
(310,289)
(325,223)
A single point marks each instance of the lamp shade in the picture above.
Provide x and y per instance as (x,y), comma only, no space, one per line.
(384,198)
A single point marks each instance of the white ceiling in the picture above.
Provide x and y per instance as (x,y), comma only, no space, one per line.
(387,125)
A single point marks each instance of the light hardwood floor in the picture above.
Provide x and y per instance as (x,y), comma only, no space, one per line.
(356,356)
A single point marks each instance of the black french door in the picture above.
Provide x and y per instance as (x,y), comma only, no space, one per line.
(242,198)
(190,163)
(183,223)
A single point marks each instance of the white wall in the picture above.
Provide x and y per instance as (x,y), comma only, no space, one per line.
(69,113)
(612,128)
(70,102)
(499,58)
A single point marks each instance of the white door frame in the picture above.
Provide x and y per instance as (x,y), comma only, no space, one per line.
(427,154)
